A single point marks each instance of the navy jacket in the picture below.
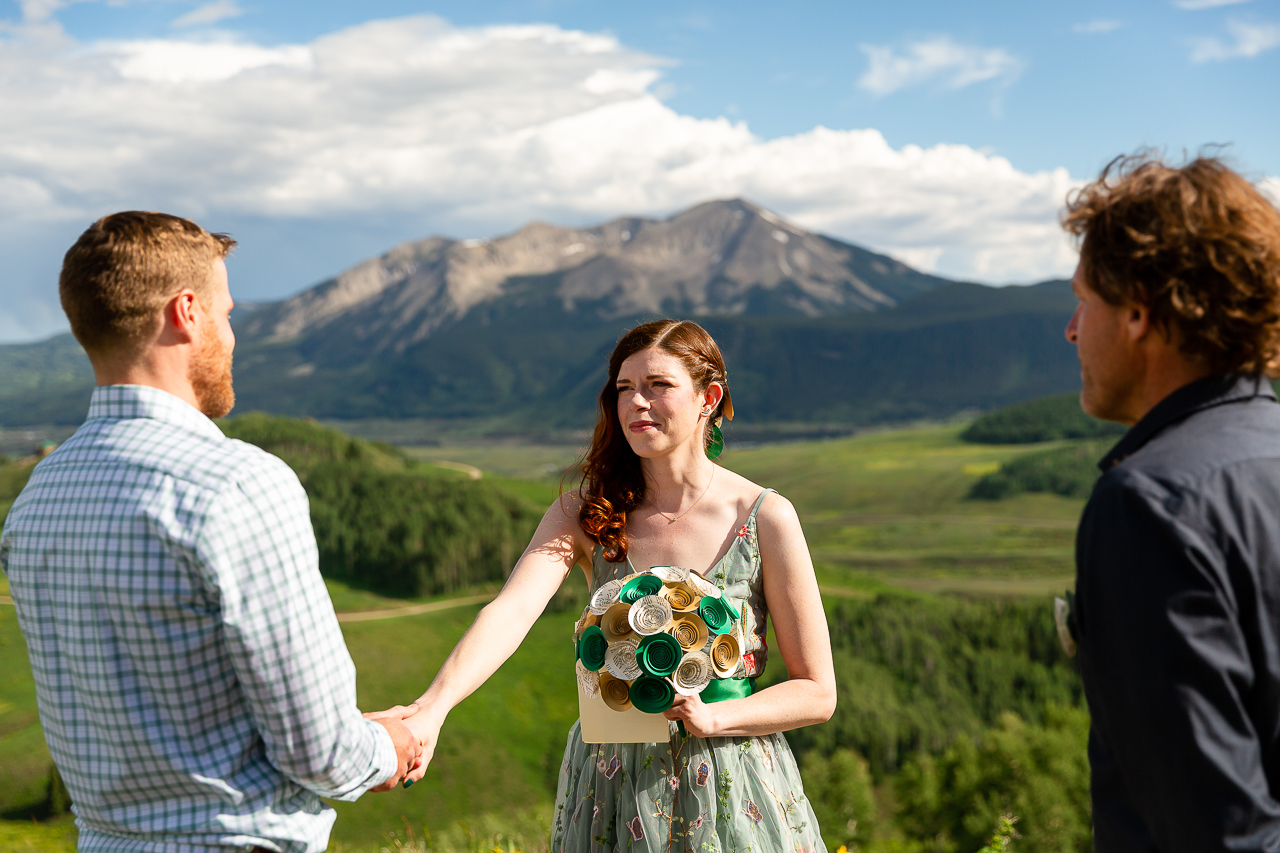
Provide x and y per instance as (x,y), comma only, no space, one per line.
(1177,618)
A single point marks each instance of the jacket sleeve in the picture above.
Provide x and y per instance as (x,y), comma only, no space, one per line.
(1168,674)
(283,637)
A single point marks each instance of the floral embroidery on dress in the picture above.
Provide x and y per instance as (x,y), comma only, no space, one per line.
(748,532)
(674,781)
(697,824)
(768,756)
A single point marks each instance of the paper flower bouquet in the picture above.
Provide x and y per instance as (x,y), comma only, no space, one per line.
(646,637)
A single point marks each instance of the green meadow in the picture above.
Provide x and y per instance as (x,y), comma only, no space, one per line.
(972,673)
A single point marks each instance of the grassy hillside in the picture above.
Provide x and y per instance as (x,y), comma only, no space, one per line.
(893,507)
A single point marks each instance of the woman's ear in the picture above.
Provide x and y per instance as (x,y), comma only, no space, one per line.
(712,396)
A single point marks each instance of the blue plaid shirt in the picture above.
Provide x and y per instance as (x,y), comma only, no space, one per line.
(193,683)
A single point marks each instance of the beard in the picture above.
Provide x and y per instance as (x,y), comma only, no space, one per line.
(210,376)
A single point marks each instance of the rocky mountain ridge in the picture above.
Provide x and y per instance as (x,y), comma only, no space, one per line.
(720,258)
(515,331)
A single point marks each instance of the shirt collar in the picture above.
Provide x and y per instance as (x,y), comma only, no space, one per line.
(1187,400)
(126,402)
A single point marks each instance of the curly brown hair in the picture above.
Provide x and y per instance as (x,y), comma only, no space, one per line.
(1198,245)
(612,480)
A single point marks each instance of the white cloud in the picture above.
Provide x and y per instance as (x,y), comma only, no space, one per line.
(1271,189)
(182,62)
(39,11)
(1196,5)
(1099,26)
(210,13)
(937,60)
(1248,40)
(471,131)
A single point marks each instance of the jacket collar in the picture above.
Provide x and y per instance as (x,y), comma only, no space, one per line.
(1186,401)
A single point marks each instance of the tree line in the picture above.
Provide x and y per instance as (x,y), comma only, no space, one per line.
(390,525)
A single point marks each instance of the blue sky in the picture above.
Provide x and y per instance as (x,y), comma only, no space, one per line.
(323,133)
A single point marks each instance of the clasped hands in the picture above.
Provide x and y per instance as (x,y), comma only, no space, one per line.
(414,736)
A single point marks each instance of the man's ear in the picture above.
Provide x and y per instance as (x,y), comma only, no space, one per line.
(182,315)
(1137,321)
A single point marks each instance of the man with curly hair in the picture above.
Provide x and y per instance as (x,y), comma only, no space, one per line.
(1177,613)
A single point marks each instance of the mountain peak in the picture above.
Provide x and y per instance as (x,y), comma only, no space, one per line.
(722,257)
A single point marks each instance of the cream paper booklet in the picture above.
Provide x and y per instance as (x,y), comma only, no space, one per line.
(602,724)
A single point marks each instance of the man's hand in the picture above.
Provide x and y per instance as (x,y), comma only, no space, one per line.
(408,748)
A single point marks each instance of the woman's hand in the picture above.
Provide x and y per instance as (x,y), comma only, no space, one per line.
(699,718)
(426,728)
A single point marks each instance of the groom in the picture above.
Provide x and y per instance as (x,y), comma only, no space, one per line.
(193,684)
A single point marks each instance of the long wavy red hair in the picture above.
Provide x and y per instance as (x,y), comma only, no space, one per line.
(612,480)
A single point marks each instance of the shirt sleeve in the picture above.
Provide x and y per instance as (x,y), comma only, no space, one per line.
(1168,675)
(283,637)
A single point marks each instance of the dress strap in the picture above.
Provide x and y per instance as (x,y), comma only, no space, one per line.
(600,567)
(751,517)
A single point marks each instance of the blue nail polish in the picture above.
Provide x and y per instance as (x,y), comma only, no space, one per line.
(408,782)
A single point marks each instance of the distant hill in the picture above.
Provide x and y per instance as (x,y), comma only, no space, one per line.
(1043,419)
(518,329)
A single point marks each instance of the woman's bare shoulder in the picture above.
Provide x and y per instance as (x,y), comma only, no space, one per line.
(743,493)
(564,513)
(570,502)
(776,513)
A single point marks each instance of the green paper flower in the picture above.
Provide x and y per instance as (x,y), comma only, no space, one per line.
(638,587)
(651,695)
(717,613)
(591,648)
(659,654)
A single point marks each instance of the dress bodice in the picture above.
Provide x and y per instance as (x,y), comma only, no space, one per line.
(737,573)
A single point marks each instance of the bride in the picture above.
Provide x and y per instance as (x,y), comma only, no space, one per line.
(725,778)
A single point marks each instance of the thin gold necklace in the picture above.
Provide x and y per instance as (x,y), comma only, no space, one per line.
(671,520)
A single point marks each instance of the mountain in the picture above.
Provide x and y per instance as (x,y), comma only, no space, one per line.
(719,258)
(518,328)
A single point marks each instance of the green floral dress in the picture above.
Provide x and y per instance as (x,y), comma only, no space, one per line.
(691,794)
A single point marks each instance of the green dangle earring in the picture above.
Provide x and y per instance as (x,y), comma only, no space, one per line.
(716,446)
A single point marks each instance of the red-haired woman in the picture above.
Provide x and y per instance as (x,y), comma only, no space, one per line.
(725,778)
